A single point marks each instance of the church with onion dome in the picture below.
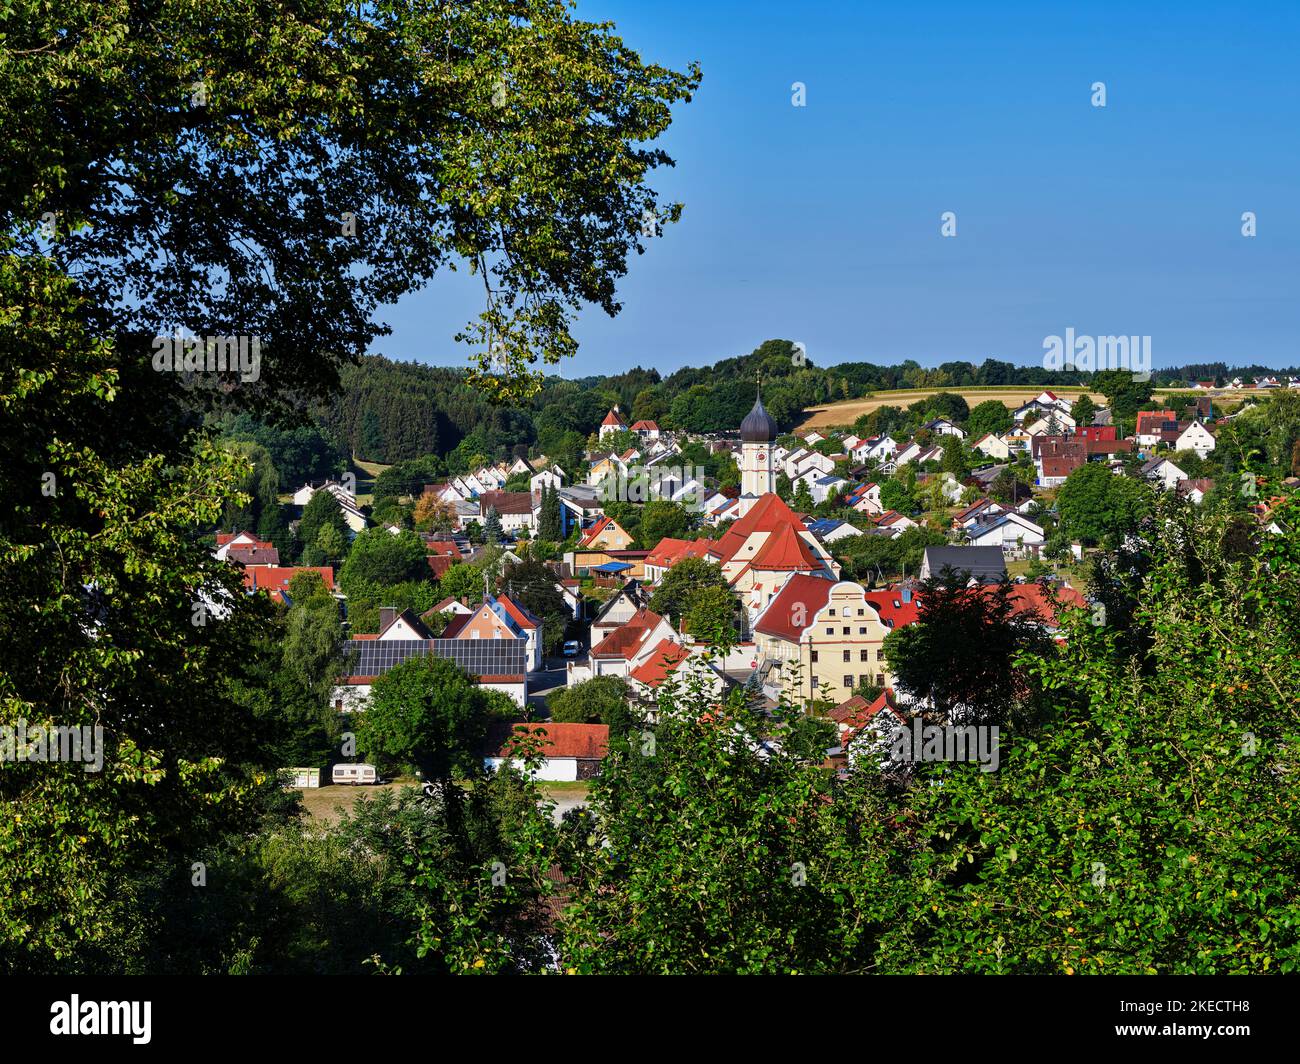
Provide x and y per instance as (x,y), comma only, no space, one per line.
(758,440)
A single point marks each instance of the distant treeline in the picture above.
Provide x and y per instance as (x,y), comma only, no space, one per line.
(390,412)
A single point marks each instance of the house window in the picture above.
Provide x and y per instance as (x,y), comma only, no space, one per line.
(880,679)
(862,631)
(861,612)
(848,681)
(830,631)
(814,682)
(832,611)
(864,655)
(846,630)
(338,704)
(814,655)
(847,656)
(880,653)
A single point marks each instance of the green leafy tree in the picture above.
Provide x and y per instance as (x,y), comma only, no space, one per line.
(990,416)
(322,510)
(662,519)
(331,546)
(704,858)
(959,656)
(1147,824)
(802,500)
(1083,410)
(600,700)
(530,582)
(673,591)
(1096,506)
(894,495)
(378,559)
(711,615)
(427,713)
(462,581)
(1125,395)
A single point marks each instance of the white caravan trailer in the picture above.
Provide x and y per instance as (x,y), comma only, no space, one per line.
(354,774)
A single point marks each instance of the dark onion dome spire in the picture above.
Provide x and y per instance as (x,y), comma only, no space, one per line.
(758,426)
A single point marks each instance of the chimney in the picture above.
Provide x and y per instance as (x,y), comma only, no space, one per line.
(387,615)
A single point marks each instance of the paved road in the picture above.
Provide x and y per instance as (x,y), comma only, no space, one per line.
(540,684)
(565,802)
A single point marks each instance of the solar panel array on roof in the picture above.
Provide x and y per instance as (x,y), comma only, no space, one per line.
(481,657)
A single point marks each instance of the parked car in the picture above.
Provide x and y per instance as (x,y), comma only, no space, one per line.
(572,648)
(355,774)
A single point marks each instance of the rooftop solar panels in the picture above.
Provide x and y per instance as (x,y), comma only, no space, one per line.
(480,657)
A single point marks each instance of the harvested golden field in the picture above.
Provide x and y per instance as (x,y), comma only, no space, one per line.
(849,411)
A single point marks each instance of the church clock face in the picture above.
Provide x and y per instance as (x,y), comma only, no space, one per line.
(762,457)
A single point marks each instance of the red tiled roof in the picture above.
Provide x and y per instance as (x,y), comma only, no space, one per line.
(663,660)
(855,714)
(1150,421)
(518,613)
(439,564)
(457,622)
(595,530)
(800,598)
(225,537)
(668,552)
(506,502)
(1064,466)
(785,549)
(1109,446)
(613,418)
(624,641)
(645,426)
(978,506)
(277,577)
(891,517)
(588,742)
(766,515)
(254,555)
(1037,597)
(892,609)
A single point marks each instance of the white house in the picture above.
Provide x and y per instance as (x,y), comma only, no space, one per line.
(881,449)
(1196,437)
(570,752)
(1163,472)
(825,487)
(547,478)
(1010,531)
(943,427)
(907,454)
(993,446)
(1043,426)
(867,499)
(352,515)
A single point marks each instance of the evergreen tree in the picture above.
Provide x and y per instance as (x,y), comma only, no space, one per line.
(551,528)
(492,532)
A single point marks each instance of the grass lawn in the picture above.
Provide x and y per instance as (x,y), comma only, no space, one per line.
(365,473)
(576,789)
(322,803)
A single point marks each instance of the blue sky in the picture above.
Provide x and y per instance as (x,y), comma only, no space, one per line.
(822,223)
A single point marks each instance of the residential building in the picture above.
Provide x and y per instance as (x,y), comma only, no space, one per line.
(979,565)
